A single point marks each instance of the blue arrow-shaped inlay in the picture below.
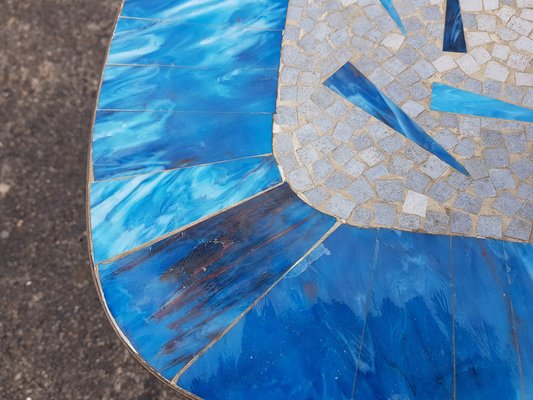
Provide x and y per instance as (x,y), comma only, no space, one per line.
(350,83)
(387,4)
(449,99)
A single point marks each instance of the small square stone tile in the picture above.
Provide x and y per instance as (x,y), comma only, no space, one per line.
(409,222)
(341,206)
(490,226)
(361,191)
(361,216)
(460,223)
(436,222)
(467,203)
(519,229)
(390,190)
(441,191)
(384,214)
(507,204)
(502,179)
(415,204)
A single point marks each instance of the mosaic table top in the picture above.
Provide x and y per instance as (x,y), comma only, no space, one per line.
(330,199)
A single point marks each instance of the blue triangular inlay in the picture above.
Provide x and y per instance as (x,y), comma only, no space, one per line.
(449,99)
(350,83)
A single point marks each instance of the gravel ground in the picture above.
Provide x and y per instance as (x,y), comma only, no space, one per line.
(55,342)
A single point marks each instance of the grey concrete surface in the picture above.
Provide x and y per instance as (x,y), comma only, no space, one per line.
(55,342)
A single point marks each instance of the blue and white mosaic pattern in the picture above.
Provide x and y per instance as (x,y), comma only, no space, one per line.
(228,285)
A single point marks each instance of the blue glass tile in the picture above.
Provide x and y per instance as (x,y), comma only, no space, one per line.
(519,263)
(130,143)
(485,353)
(351,84)
(389,6)
(408,346)
(265,14)
(174,43)
(187,89)
(454,36)
(173,298)
(449,99)
(127,213)
(302,340)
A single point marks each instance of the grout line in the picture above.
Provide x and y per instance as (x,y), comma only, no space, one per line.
(243,27)
(367,306)
(183,112)
(453,319)
(185,227)
(251,306)
(164,171)
(194,67)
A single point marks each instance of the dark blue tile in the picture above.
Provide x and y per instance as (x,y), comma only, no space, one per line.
(127,213)
(454,36)
(408,345)
(186,89)
(302,340)
(519,263)
(174,297)
(175,43)
(485,352)
(389,6)
(130,143)
(350,83)
(265,14)
(452,100)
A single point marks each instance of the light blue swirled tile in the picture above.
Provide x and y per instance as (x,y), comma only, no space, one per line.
(519,266)
(130,143)
(389,6)
(485,350)
(127,213)
(173,298)
(301,341)
(187,89)
(175,43)
(265,14)
(408,349)
(452,100)
(355,87)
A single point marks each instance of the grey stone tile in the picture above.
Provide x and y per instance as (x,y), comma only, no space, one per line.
(507,204)
(384,214)
(467,203)
(410,222)
(441,191)
(300,179)
(376,172)
(417,181)
(390,190)
(341,206)
(515,142)
(316,196)
(436,222)
(460,223)
(502,179)
(490,226)
(496,158)
(337,181)
(476,168)
(522,168)
(361,216)
(484,188)
(491,138)
(519,229)
(361,191)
